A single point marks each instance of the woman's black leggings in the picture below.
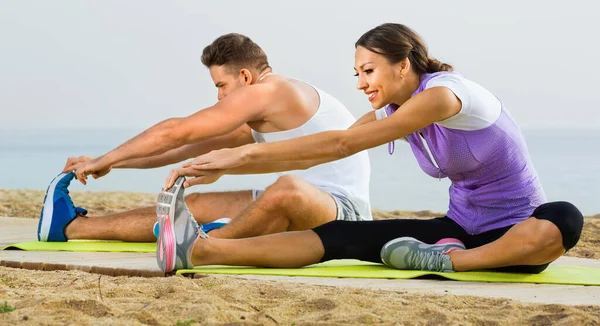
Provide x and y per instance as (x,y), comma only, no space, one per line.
(363,240)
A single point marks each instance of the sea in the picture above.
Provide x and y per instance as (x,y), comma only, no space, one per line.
(568,166)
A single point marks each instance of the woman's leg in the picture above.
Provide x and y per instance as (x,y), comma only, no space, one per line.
(552,229)
(531,242)
(335,240)
(182,243)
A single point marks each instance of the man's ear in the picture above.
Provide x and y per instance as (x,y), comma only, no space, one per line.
(246,77)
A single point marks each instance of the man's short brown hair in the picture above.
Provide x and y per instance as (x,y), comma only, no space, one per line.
(236,51)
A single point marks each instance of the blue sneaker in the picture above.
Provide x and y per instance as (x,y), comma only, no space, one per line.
(58,210)
(217,224)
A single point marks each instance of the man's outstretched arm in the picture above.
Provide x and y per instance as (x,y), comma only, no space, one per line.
(244,105)
(238,137)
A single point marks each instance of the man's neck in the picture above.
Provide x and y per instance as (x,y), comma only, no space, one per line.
(266,73)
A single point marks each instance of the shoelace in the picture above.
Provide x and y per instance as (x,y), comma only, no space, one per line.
(198,228)
(428,261)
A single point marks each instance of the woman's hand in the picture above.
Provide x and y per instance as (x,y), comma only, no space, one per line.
(223,159)
(199,176)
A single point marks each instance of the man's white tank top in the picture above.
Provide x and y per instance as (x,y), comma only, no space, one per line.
(349,176)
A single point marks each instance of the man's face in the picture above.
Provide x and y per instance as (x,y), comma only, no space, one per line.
(226,80)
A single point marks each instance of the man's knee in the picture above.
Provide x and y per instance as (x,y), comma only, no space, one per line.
(287,190)
(192,198)
(289,182)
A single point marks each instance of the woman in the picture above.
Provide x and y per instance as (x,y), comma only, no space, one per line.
(498,217)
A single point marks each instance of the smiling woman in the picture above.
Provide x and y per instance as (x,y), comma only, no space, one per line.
(498,217)
(387,46)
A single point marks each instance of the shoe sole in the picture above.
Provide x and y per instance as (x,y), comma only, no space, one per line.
(166,244)
(48,208)
(437,245)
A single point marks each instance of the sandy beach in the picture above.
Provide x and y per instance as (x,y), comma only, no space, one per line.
(74,297)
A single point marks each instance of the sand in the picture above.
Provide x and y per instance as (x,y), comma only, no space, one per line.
(74,297)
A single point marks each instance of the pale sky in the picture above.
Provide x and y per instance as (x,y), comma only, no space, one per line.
(130,64)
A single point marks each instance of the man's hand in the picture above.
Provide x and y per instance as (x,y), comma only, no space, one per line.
(200,176)
(96,168)
(74,163)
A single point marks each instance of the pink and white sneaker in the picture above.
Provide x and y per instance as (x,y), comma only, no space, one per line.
(410,253)
(177,230)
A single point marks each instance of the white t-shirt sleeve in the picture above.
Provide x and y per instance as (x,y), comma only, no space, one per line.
(381,113)
(480,108)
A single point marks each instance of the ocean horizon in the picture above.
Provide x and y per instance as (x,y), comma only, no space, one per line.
(567,167)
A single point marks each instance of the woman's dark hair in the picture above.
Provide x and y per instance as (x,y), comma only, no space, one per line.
(397,42)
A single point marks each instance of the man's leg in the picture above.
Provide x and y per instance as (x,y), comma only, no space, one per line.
(210,206)
(180,240)
(137,225)
(290,204)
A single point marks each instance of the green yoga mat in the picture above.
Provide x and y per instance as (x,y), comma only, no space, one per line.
(573,275)
(85,246)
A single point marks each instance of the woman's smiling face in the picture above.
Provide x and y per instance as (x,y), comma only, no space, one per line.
(381,81)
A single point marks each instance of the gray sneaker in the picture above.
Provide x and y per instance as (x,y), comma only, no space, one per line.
(410,253)
(177,229)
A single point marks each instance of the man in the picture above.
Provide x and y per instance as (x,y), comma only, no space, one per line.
(254,105)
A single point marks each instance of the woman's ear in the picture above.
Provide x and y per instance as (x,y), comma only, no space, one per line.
(403,67)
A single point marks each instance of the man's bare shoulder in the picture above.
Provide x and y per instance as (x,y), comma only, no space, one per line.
(289,88)
(277,89)
(291,102)
(278,83)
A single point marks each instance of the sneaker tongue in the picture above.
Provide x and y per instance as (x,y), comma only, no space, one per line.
(80,211)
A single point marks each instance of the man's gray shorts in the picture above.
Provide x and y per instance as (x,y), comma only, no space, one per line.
(346,210)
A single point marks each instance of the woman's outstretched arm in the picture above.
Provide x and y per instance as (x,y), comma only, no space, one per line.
(427,107)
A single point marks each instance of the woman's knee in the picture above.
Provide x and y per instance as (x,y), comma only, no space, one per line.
(566,217)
